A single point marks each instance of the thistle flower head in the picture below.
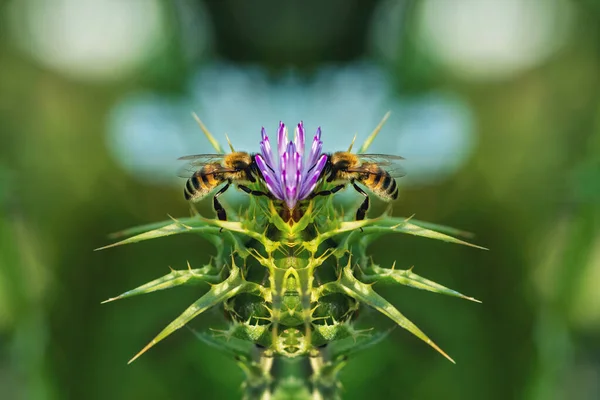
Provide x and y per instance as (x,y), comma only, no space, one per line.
(291,175)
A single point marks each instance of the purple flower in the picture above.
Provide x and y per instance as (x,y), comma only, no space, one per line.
(290,175)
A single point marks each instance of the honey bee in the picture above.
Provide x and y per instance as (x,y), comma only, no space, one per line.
(208,171)
(377,172)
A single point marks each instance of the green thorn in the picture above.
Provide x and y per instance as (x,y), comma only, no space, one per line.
(217,294)
(352,144)
(409,278)
(165,229)
(352,287)
(173,279)
(209,135)
(229,143)
(373,134)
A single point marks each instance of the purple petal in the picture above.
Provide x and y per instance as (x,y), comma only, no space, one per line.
(312,177)
(290,164)
(290,159)
(315,149)
(274,188)
(264,168)
(283,160)
(315,152)
(292,192)
(283,171)
(281,138)
(291,174)
(299,138)
(298,160)
(273,184)
(265,147)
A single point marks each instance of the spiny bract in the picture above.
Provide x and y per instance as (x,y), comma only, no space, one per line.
(291,288)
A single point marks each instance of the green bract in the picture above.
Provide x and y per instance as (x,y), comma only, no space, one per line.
(291,289)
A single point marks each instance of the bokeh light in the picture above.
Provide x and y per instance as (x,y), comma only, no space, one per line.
(89,39)
(493,39)
(147,133)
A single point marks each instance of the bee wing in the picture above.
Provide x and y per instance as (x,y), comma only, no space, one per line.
(202,158)
(197,161)
(396,171)
(382,160)
(391,163)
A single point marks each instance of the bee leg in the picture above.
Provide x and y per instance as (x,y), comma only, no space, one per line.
(256,192)
(326,192)
(362,210)
(221,214)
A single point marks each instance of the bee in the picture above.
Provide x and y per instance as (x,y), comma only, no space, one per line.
(377,172)
(212,170)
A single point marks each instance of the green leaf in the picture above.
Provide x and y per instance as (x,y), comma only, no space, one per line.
(362,292)
(409,278)
(173,279)
(217,294)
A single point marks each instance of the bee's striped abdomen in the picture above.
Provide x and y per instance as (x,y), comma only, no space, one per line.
(391,187)
(200,184)
(380,182)
(375,179)
(190,187)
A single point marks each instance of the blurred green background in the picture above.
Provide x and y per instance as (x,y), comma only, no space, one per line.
(495,104)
